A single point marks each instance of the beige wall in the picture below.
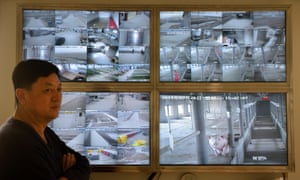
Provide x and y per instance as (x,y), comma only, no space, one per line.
(8,60)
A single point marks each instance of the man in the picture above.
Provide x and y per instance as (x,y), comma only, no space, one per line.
(29,149)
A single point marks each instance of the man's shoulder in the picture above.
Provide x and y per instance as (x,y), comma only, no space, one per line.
(14,130)
(12,124)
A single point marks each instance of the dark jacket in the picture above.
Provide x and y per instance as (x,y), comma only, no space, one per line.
(24,155)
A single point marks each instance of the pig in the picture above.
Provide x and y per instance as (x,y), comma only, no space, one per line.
(219,144)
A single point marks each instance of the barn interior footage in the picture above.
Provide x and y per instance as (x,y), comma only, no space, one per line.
(222,46)
(223,128)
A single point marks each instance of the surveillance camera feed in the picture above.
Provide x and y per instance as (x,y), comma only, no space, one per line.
(222,46)
(108,128)
(223,129)
(90,45)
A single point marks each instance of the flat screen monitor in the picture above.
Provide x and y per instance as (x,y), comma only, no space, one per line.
(108,128)
(223,46)
(223,129)
(93,46)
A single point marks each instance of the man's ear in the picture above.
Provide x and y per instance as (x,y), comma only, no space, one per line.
(20,94)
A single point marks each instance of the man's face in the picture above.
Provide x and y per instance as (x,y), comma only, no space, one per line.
(43,100)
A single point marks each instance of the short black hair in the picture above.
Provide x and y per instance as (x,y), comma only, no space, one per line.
(28,71)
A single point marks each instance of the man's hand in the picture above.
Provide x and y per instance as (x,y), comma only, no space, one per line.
(68,161)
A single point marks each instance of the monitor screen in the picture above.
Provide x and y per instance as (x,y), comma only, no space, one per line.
(222,46)
(92,46)
(108,128)
(223,129)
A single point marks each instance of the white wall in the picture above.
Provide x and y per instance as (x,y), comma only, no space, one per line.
(8,60)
